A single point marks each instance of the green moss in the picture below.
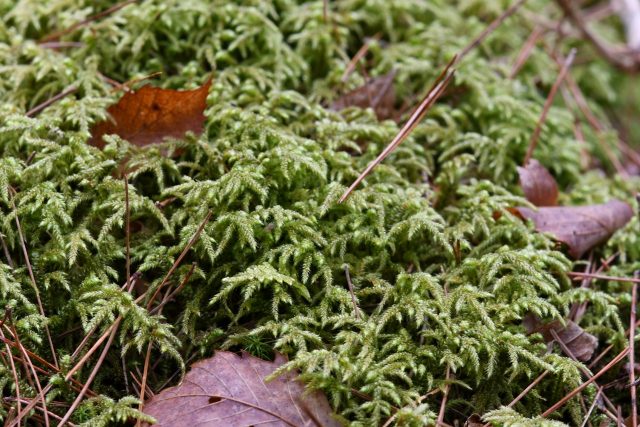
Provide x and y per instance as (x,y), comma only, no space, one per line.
(441,280)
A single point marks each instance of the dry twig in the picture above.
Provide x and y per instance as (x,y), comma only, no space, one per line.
(547,105)
(434,93)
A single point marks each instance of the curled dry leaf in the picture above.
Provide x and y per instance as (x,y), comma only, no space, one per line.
(378,93)
(538,185)
(579,342)
(474,421)
(230,390)
(150,114)
(579,227)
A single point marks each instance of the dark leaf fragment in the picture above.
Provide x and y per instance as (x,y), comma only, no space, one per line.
(538,185)
(580,227)
(579,342)
(378,93)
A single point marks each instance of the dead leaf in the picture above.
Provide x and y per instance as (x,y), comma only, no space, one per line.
(538,184)
(474,421)
(150,114)
(579,342)
(377,93)
(229,390)
(579,227)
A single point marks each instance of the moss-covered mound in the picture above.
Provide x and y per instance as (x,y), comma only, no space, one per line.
(442,273)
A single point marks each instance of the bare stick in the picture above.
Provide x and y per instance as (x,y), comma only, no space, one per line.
(593,405)
(127,230)
(586,373)
(353,296)
(143,386)
(524,392)
(112,329)
(443,404)
(31,367)
(623,60)
(93,374)
(526,50)
(584,385)
(38,108)
(60,45)
(583,106)
(436,91)
(490,28)
(15,381)
(72,28)
(170,296)
(547,105)
(33,279)
(7,255)
(632,365)
(357,57)
(579,276)
(52,414)
(180,258)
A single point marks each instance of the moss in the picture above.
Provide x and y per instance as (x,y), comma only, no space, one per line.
(441,281)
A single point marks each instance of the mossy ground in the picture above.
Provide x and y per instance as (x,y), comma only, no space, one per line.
(442,282)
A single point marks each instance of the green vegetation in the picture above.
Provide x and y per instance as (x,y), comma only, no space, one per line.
(442,272)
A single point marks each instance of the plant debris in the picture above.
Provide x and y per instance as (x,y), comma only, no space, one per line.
(150,114)
(539,187)
(580,227)
(232,390)
(579,342)
(377,93)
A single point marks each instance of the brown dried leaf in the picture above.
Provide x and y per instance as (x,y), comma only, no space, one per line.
(538,185)
(474,421)
(377,93)
(580,227)
(229,390)
(579,342)
(150,114)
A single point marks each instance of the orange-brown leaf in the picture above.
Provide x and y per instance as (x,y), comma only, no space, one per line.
(377,93)
(538,185)
(150,114)
(580,227)
(230,390)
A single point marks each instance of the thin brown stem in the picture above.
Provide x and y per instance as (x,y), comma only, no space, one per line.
(171,295)
(434,93)
(143,386)
(127,230)
(547,105)
(175,265)
(38,108)
(93,374)
(584,371)
(443,404)
(490,28)
(578,276)
(45,411)
(526,50)
(16,383)
(591,408)
(33,279)
(628,62)
(72,28)
(28,362)
(7,254)
(632,364)
(351,66)
(584,385)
